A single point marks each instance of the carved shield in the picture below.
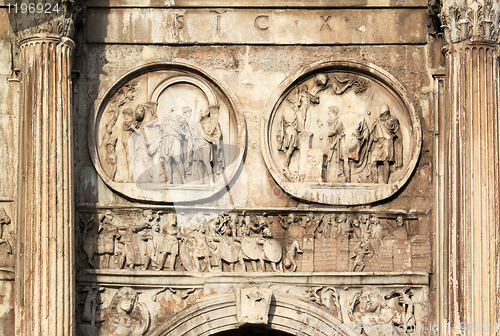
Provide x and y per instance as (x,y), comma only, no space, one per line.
(229,250)
(250,248)
(186,254)
(272,250)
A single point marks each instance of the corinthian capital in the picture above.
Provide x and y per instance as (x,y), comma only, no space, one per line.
(57,19)
(470,20)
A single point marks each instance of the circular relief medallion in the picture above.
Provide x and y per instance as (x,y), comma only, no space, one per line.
(167,132)
(341,133)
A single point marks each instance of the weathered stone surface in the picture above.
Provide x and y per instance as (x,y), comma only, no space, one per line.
(262,26)
(271,224)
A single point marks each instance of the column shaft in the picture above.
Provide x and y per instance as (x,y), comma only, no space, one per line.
(45,276)
(471,205)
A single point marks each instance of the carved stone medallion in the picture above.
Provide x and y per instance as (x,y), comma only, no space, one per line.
(167,132)
(341,133)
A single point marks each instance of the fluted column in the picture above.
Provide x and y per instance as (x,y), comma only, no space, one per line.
(45,270)
(471,186)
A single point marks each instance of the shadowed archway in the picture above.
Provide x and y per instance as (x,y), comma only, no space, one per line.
(218,315)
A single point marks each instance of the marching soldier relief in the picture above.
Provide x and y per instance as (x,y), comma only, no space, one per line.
(224,168)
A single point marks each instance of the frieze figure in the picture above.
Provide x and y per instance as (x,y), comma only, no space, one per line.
(101,244)
(125,315)
(328,297)
(379,315)
(289,263)
(363,251)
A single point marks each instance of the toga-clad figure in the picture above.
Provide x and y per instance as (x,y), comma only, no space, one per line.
(175,145)
(386,146)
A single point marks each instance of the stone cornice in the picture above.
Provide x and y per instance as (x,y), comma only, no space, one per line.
(473,21)
(59,23)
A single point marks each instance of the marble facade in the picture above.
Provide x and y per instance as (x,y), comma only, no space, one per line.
(219,167)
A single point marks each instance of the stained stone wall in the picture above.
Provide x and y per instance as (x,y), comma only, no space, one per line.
(236,163)
(178,234)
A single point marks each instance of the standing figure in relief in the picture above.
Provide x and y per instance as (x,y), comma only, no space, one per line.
(175,144)
(288,136)
(336,135)
(354,149)
(302,105)
(125,315)
(170,246)
(201,247)
(202,150)
(386,146)
(129,126)
(109,165)
(211,130)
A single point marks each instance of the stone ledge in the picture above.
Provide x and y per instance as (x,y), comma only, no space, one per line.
(195,279)
(7,274)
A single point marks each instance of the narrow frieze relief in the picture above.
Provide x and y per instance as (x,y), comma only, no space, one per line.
(360,310)
(167,133)
(196,241)
(340,133)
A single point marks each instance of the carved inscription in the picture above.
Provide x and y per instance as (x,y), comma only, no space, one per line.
(325,25)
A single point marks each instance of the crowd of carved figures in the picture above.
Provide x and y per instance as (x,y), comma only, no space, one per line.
(375,149)
(163,240)
(183,146)
(366,310)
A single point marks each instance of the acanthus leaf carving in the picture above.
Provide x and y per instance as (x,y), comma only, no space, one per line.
(473,21)
(58,19)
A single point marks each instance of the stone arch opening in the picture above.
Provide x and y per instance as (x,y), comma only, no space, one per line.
(221,315)
(253,331)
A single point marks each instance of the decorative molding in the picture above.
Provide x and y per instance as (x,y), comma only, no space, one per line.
(474,22)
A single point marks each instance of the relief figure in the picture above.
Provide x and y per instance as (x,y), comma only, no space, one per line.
(161,243)
(379,315)
(174,145)
(125,315)
(288,136)
(335,135)
(209,122)
(4,220)
(386,146)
